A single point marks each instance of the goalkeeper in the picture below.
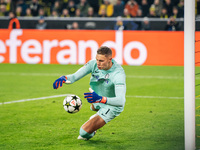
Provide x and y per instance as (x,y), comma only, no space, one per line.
(107,92)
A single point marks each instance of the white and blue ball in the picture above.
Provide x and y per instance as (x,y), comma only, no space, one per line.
(72,104)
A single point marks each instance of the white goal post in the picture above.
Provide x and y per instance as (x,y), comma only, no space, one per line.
(189,74)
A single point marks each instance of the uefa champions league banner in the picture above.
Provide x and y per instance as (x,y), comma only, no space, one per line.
(79,46)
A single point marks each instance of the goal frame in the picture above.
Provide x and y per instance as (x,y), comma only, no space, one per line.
(189,74)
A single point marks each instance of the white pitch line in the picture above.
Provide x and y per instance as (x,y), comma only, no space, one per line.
(29,74)
(62,95)
(155,77)
(128,76)
(34,99)
(156,97)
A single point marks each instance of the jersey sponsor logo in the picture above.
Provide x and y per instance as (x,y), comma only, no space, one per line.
(97,76)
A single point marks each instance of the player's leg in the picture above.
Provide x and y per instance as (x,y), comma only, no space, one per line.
(89,128)
(93,124)
(105,114)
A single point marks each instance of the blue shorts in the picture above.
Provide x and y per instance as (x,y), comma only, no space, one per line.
(107,112)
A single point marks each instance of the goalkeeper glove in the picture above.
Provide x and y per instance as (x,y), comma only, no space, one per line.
(59,82)
(95,98)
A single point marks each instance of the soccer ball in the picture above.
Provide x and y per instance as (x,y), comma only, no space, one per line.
(72,103)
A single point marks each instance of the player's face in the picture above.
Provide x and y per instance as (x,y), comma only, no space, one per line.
(103,62)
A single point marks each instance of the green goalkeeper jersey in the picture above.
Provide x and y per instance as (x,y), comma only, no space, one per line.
(108,83)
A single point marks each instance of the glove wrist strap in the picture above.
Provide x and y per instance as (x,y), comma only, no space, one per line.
(104,100)
(65,77)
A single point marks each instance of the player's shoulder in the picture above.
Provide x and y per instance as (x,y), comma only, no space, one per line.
(91,63)
(118,72)
(117,67)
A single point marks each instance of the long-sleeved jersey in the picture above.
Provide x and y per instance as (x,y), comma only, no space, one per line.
(108,83)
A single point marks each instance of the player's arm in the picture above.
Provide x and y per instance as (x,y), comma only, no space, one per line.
(71,78)
(120,93)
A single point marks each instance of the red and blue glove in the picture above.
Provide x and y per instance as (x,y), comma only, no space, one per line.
(95,98)
(59,82)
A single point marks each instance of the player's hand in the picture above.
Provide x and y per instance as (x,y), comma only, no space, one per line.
(95,98)
(59,82)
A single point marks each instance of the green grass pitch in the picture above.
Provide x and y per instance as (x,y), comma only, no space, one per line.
(153,118)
